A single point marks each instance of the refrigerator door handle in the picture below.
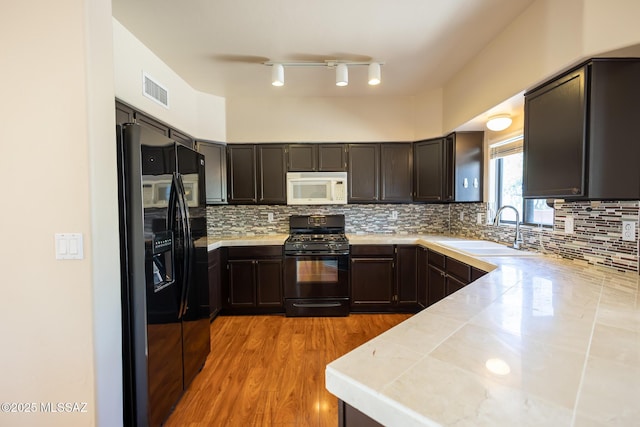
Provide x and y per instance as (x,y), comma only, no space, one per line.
(188,245)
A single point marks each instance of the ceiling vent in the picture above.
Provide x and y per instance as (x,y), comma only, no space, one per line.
(154,90)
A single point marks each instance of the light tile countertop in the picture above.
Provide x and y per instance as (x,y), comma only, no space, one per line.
(537,341)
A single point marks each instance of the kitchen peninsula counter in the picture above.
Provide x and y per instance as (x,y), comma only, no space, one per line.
(538,341)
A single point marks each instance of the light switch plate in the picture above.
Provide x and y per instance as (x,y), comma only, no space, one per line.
(568,225)
(479,218)
(629,231)
(69,246)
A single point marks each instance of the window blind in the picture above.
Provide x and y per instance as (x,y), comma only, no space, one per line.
(507,147)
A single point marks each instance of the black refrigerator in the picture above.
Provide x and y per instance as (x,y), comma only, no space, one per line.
(165,291)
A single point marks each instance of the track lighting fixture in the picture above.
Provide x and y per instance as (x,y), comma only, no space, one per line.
(342,75)
(342,72)
(374,74)
(277,75)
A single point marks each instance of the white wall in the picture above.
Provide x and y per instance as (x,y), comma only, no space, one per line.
(331,119)
(546,38)
(58,157)
(199,114)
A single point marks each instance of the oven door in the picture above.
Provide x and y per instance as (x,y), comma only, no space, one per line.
(316,276)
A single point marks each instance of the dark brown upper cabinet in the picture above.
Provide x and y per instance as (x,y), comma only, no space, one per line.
(380,172)
(182,138)
(317,157)
(433,179)
(241,167)
(151,123)
(579,130)
(468,165)
(256,173)
(449,169)
(215,170)
(271,173)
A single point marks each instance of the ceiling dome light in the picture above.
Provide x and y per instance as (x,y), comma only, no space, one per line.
(342,75)
(499,122)
(374,74)
(277,75)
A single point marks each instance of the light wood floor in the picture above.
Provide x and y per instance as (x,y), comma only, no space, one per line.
(269,370)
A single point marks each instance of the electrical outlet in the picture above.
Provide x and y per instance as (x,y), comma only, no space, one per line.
(568,225)
(461,216)
(394,214)
(628,231)
(480,218)
(270,216)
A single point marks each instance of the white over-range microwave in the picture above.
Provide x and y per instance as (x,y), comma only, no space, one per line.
(316,188)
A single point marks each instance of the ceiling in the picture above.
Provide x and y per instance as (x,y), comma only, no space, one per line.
(219,46)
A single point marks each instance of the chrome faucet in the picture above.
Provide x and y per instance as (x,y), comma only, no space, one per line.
(517,239)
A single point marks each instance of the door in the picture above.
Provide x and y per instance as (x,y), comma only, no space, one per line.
(195,317)
(151,277)
(430,171)
(241,166)
(316,276)
(396,172)
(364,172)
(272,172)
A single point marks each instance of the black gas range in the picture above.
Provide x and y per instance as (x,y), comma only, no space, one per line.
(316,281)
(316,234)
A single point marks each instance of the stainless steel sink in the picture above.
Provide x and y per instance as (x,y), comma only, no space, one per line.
(483,248)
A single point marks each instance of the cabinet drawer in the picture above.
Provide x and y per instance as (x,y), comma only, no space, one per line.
(371,250)
(459,270)
(245,252)
(437,260)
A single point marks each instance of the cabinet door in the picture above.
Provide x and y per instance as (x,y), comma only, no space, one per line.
(302,157)
(364,172)
(396,172)
(124,113)
(272,169)
(554,138)
(476,273)
(468,166)
(181,138)
(242,283)
(407,275)
(422,277)
(152,124)
(437,285)
(453,284)
(215,162)
(371,281)
(332,157)
(269,282)
(215,281)
(429,177)
(242,173)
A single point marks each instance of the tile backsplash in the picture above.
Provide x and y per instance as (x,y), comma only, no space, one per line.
(597,237)
(360,219)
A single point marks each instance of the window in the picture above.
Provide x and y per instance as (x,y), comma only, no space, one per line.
(506,166)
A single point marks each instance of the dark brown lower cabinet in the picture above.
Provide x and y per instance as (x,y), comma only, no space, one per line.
(422,277)
(215,282)
(348,416)
(446,275)
(384,278)
(255,279)
(372,277)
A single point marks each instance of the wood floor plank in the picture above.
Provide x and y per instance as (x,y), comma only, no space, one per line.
(269,370)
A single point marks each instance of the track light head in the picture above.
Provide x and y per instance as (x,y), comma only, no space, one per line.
(277,75)
(342,75)
(374,74)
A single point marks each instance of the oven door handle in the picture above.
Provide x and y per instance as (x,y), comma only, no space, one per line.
(316,304)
